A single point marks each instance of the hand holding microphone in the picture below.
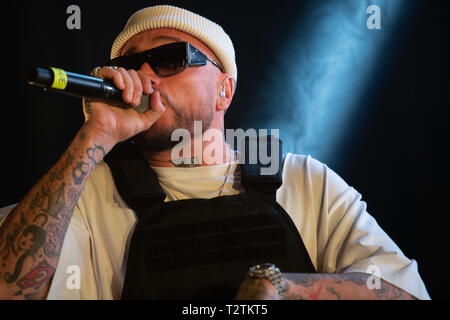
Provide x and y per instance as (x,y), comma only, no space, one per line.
(123,123)
(112,87)
(139,85)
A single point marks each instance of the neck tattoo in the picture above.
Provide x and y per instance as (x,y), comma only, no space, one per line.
(194,162)
(186,162)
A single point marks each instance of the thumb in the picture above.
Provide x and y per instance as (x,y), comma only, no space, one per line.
(156,108)
(156,103)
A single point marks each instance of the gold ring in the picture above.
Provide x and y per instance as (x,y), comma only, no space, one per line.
(94,72)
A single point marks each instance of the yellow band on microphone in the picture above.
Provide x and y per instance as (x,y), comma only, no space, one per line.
(59,78)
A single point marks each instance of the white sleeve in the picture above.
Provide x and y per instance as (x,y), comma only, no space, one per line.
(5,211)
(344,237)
(74,278)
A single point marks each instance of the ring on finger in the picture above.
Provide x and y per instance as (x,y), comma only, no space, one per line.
(113,67)
(94,72)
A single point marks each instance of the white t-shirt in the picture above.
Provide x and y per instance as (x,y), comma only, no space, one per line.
(338,233)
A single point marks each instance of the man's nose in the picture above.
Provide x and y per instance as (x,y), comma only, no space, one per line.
(147,69)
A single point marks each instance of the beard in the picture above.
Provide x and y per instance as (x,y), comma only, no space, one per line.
(160,139)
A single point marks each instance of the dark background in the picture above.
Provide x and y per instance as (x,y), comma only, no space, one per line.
(397,159)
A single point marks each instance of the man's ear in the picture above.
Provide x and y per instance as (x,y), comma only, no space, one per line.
(226,92)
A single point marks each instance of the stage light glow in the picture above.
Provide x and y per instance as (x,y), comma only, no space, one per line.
(322,70)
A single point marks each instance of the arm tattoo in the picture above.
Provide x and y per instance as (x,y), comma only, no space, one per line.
(340,286)
(32,235)
(333,292)
(31,240)
(96,154)
(80,172)
(39,275)
(59,173)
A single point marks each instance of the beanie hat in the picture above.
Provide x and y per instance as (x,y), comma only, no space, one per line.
(210,33)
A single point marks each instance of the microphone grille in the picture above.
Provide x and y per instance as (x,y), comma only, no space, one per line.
(144,105)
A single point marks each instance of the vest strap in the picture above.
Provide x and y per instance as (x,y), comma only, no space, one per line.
(135,180)
(259,175)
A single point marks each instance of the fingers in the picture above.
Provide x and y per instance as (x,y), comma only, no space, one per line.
(108,73)
(135,86)
(146,83)
(132,83)
(156,103)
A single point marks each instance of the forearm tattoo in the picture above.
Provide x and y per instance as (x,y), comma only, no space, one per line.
(32,235)
(350,286)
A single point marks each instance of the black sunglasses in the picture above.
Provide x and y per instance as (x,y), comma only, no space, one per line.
(166,60)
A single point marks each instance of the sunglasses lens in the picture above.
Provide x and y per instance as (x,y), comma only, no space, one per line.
(165,61)
(128,62)
(169,60)
(167,68)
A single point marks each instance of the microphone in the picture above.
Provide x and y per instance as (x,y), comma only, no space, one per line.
(80,85)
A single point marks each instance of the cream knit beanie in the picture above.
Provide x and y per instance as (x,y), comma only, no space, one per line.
(183,20)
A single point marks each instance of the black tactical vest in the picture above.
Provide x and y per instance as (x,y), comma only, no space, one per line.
(202,248)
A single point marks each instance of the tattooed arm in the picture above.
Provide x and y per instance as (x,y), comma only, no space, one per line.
(344,286)
(305,286)
(32,234)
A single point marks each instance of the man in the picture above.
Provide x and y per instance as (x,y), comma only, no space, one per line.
(82,215)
